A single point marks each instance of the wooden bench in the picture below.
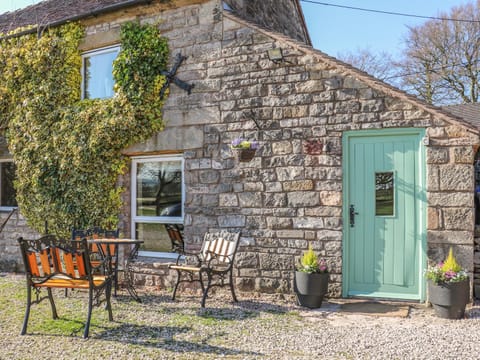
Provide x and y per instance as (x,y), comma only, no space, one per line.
(215,260)
(51,263)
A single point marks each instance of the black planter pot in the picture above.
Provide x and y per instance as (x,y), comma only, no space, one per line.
(449,299)
(310,288)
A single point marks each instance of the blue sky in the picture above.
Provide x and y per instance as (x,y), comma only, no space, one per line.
(336,30)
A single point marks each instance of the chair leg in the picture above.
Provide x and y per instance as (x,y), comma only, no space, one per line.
(176,285)
(115,280)
(27,310)
(52,303)
(231,287)
(200,279)
(108,294)
(205,292)
(116,272)
(89,314)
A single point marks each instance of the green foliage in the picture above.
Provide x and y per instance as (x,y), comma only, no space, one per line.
(67,150)
(310,263)
(450,263)
(446,272)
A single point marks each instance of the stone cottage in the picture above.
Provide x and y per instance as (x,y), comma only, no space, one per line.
(377,181)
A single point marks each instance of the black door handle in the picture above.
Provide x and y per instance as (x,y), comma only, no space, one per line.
(352,215)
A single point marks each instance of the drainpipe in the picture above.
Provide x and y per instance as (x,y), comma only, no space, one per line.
(40,28)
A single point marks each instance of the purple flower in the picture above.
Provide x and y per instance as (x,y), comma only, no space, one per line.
(236,142)
(450,274)
(254,145)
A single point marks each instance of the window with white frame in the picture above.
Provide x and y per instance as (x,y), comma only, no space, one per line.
(97,77)
(7,191)
(157,200)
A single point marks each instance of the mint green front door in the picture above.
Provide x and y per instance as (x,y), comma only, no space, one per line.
(384,214)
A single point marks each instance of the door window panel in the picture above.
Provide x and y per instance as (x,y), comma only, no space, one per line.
(384,194)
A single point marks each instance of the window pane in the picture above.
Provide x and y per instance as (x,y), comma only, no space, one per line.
(8,195)
(98,77)
(384,194)
(159,188)
(155,237)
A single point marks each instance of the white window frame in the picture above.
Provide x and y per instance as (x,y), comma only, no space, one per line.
(154,219)
(89,53)
(6,208)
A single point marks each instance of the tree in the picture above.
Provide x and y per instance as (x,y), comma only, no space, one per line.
(376,64)
(441,57)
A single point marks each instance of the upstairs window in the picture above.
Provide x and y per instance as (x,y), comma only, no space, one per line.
(97,77)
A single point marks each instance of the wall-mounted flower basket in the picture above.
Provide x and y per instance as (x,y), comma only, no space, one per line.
(244,150)
(244,155)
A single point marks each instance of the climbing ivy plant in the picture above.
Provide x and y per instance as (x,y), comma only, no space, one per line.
(67,150)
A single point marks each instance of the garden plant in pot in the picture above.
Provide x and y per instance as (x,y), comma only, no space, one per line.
(244,150)
(311,280)
(448,288)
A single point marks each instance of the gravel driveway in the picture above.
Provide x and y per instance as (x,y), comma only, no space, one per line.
(257,327)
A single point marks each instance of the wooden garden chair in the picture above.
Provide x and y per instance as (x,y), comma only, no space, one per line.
(97,254)
(215,261)
(52,263)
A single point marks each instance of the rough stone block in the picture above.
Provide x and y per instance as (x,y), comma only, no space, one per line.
(276,262)
(279,223)
(433,221)
(456,177)
(437,155)
(450,237)
(298,185)
(228,221)
(433,181)
(250,199)
(246,260)
(463,154)
(290,173)
(282,148)
(331,198)
(291,234)
(308,223)
(452,199)
(275,200)
(303,199)
(458,219)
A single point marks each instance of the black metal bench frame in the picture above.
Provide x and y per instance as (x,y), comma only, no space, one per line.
(215,260)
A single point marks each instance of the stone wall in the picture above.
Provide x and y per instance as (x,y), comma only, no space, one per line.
(283,16)
(290,194)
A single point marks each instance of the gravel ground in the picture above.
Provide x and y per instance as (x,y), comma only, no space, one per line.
(258,326)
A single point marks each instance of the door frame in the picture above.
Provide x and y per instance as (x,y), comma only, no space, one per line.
(421,216)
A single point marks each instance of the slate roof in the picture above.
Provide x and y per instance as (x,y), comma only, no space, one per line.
(468,112)
(51,11)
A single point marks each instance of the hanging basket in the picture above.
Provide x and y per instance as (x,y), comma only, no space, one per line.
(244,155)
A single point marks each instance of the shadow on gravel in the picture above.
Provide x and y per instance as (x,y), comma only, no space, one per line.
(162,337)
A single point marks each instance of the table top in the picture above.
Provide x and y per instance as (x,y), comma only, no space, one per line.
(115,241)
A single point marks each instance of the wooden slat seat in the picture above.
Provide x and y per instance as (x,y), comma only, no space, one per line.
(52,263)
(71,283)
(215,260)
